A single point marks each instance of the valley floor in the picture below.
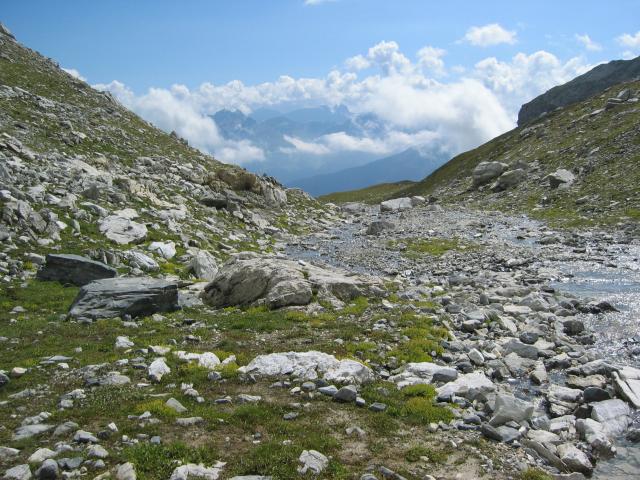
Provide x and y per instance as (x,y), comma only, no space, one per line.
(481,294)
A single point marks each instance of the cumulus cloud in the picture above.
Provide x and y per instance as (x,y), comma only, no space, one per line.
(526,76)
(407,97)
(430,58)
(631,42)
(172,110)
(74,73)
(491,34)
(587,43)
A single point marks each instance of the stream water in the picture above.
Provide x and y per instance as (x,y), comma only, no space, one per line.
(617,333)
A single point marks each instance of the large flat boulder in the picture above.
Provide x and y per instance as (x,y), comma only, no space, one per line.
(277,282)
(309,366)
(396,204)
(74,269)
(122,229)
(115,297)
(470,386)
(423,373)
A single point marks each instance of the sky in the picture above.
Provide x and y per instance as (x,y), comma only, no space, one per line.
(451,72)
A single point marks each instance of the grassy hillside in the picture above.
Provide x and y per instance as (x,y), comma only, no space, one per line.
(600,146)
(373,194)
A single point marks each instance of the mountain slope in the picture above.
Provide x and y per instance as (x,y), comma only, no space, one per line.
(73,160)
(407,165)
(597,140)
(580,88)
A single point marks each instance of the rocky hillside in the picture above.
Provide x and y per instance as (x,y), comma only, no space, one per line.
(580,88)
(577,166)
(81,174)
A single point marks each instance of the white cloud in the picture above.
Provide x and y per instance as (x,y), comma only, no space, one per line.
(356,63)
(172,110)
(412,106)
(526,76)
(74,73)
(630,41)
(430,58)
(491,34)
(587,43)
(632,44)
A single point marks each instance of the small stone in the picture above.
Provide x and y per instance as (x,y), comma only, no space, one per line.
(126,471)
(346,394)
(175,405)
(312,461)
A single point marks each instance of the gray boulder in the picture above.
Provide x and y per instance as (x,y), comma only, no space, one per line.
(509,179)
(122,230)
(74,269)
(379,226)
(115,297)
(396,204)
(19,472)
(204,265)
(509,408)
(575,460)
(486,172)
(560,179)
(276,282)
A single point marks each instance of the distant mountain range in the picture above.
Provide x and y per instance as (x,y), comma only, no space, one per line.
(412,164)
(274,131)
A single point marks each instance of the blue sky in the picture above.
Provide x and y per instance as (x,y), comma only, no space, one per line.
(146,43)
(446,74)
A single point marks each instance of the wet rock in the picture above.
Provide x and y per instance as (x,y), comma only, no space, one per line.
(595,394)
(575,460)
(596,436)
(626,382)
(74,269)
(117,297)
(614,414)
(470,386)
(573,327)
(508,408)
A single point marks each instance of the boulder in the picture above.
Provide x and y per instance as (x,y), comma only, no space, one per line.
(312,461)
(560,179)
(248,279)
(193,471)
(423,372)
(116,297)
(204,265)
(470,386)
(487,171)
(166,250)
(614,414)
(74,269)
(509,179)
(626,381)
(575,460)
(396,204)
(595,435)
(122,230)
(378,226)
(309,366)
(19,472)
(509,408)
(141,260)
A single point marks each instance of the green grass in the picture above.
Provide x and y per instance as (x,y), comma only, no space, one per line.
(534,474)
(158,461)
